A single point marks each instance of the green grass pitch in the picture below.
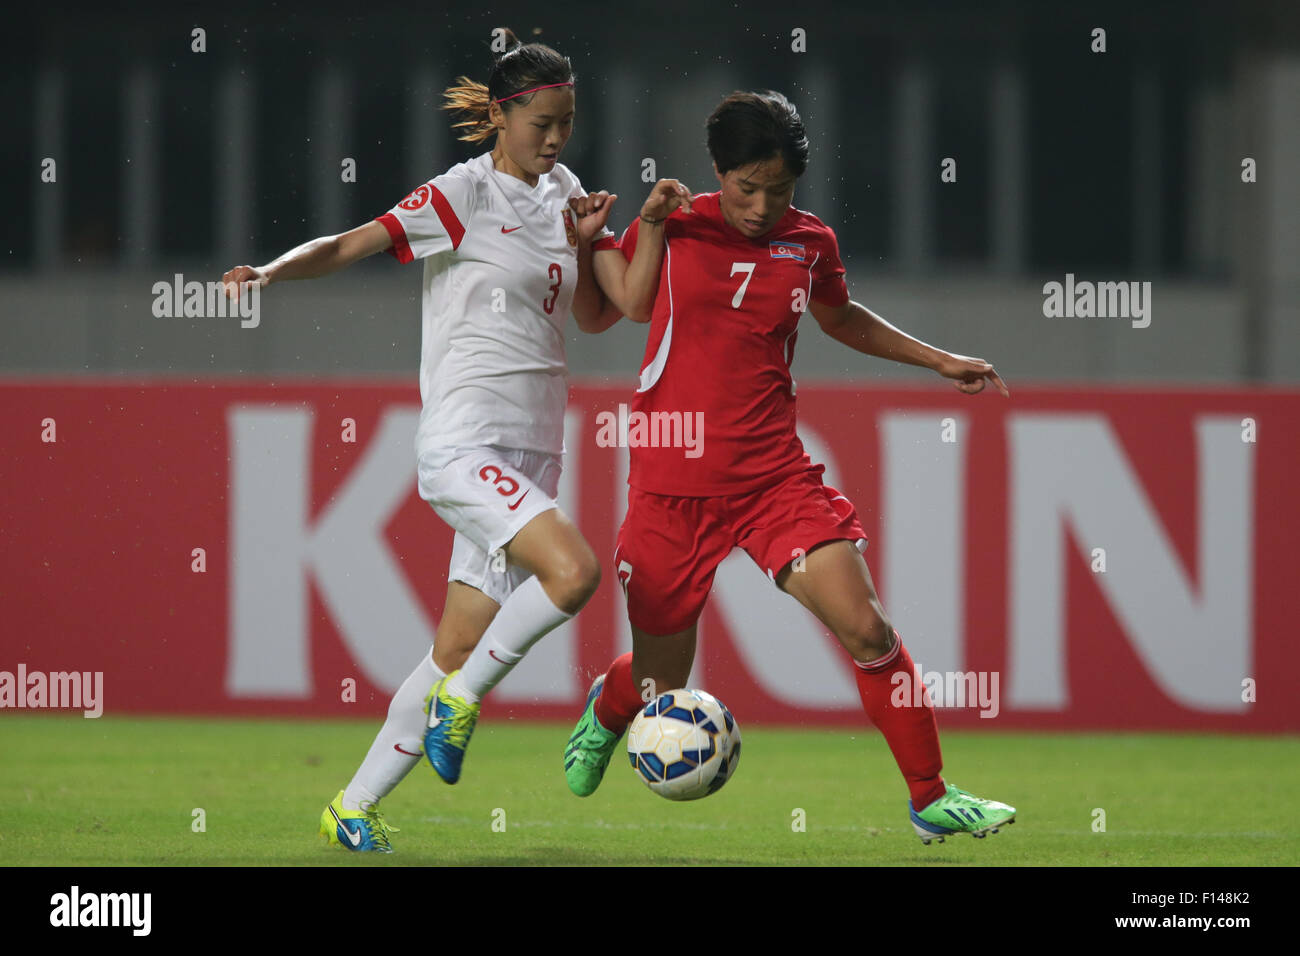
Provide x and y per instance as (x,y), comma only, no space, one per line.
(122,791)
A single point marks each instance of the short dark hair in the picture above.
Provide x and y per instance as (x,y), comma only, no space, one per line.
(751,127)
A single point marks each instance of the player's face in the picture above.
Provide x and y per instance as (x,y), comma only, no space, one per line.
(755,197)
(534,135)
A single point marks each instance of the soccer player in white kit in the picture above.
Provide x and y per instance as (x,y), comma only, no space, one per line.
(507,240)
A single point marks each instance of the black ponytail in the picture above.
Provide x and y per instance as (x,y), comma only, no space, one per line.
(520,66)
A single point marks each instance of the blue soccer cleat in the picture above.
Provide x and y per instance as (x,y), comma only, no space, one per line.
(451,721)
(358,830)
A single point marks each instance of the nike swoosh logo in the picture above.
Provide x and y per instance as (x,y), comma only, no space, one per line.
(512,508)
(353,838)
(398,748)
(507,232)
(492,655)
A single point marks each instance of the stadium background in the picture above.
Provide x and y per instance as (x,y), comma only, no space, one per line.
(322,564)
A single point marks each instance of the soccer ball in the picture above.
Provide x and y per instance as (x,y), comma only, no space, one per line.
(684,744)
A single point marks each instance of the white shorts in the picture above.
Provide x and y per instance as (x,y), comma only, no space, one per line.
(487,495)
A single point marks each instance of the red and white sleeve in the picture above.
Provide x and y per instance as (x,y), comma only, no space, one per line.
(431,219)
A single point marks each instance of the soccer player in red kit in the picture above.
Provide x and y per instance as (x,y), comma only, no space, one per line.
(738,267)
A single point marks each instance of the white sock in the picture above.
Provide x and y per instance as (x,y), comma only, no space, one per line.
(385,765)
(527,615)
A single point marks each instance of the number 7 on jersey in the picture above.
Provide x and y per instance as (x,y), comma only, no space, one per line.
(748,269)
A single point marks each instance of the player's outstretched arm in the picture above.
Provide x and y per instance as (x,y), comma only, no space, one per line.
(312,259)
(861,329)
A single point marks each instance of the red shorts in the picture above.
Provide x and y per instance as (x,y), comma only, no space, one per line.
(669,547)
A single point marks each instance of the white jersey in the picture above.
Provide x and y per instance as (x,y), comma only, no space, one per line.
(500,270)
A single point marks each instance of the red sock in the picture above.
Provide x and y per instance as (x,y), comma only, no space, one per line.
(911,731)
(618,701)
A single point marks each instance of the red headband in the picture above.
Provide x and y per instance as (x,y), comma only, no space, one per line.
(533,90)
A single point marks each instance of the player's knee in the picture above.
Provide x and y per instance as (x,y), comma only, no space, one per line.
(870,636)
(572,581)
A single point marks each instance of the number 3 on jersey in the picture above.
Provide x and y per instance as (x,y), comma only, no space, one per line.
(748,269)
(553,272)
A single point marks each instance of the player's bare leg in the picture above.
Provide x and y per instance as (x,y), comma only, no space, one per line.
(465,617)
(664,660)
(553,549)
(564,575)
(836,585)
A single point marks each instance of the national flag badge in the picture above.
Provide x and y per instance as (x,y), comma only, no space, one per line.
(570,230)
(786,250)
(418,197)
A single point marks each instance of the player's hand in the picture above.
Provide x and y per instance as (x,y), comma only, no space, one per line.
(240,278)
(592,211)
(970,374)
(667,195)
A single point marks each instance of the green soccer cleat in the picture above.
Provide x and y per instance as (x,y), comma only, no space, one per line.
(451,721)
(587,754)
(959,812)
(357,830)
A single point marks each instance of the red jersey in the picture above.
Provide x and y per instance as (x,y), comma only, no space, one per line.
(714,413)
